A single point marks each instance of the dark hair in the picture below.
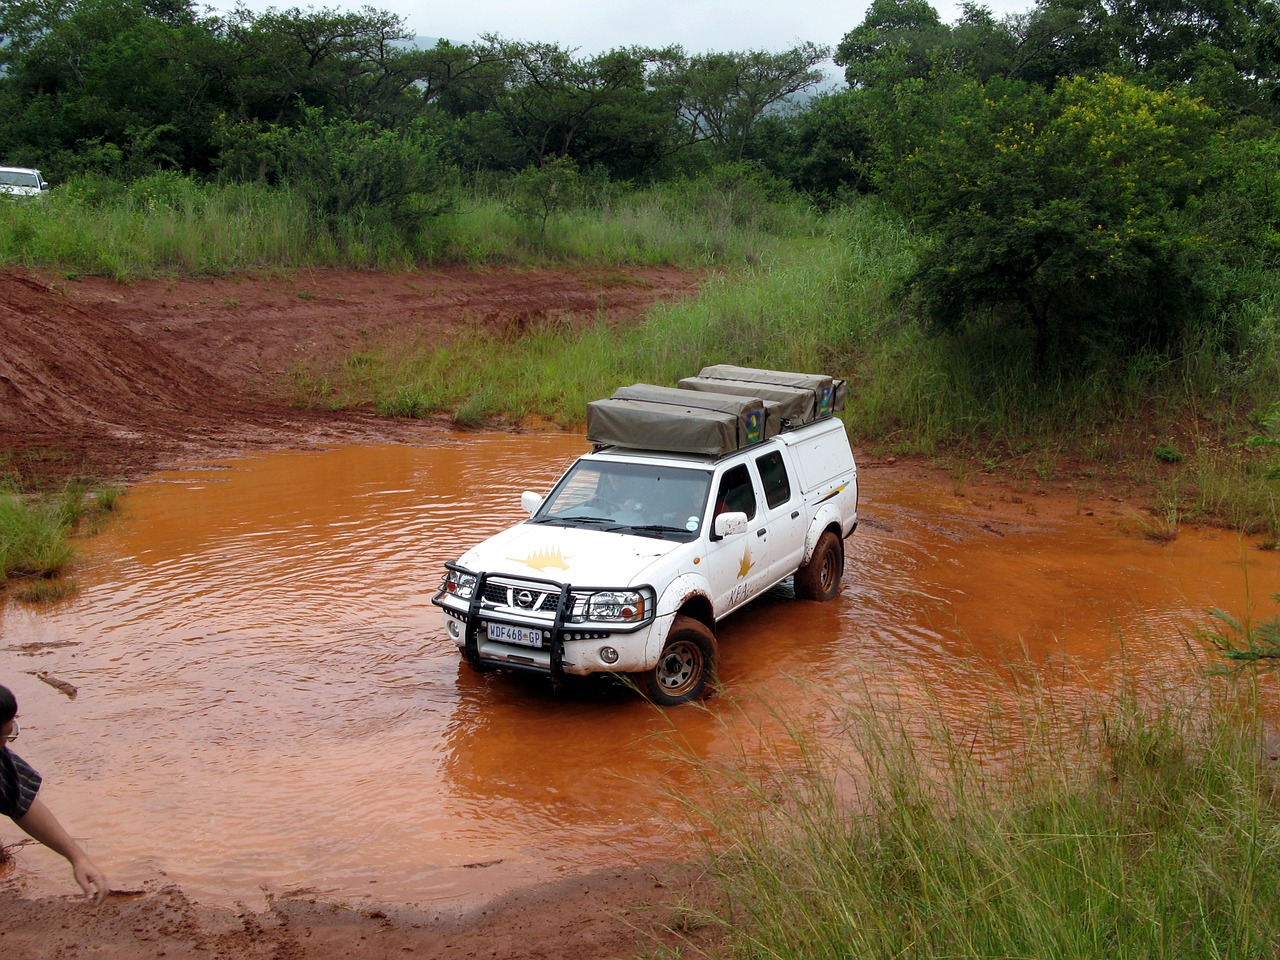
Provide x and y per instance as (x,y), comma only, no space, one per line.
(8,705)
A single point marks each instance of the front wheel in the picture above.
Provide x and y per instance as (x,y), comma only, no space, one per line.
(819,579)
(686,668)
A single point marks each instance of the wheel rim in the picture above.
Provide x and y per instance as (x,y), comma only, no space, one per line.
(828,571)
(680,669)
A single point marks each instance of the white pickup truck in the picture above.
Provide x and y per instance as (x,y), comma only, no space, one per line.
(694,501)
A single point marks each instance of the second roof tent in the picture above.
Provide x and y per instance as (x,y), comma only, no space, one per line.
(723,409)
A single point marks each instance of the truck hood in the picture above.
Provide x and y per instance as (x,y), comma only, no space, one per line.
(568,555)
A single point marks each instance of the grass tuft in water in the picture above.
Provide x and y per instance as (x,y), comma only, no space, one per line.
(37,535)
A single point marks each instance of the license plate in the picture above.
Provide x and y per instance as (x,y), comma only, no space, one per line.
(523,636)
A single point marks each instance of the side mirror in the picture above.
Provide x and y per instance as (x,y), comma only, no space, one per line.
(730,525)
(530,501)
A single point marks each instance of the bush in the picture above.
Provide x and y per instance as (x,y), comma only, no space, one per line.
(351,171)
(1070,212)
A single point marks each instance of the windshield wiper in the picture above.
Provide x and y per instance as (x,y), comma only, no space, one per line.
(560,519)
(657,528)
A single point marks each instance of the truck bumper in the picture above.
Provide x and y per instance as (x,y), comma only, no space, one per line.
(577,652)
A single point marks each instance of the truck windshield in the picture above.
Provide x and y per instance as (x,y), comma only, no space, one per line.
(645,499)
(19,178)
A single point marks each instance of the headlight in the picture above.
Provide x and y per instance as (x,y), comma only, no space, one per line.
(619,606)
(459,584)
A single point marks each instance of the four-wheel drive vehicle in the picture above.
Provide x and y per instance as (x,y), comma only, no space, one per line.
(22,182)
(693,502)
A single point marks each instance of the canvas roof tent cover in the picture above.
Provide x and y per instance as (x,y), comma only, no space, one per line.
(828,393)
(747,406)
(794,405)
(648,417)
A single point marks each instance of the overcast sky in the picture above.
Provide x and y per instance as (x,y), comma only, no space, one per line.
(593,26)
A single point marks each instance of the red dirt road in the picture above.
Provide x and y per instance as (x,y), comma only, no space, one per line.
(111,381)
(115,380)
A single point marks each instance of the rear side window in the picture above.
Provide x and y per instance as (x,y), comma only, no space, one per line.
(773,476)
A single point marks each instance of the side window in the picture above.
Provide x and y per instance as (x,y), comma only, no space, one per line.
(773,476)
(736,494)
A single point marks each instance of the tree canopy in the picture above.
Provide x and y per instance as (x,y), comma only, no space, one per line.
(1092,170)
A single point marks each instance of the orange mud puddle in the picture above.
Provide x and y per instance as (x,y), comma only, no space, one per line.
(266,701)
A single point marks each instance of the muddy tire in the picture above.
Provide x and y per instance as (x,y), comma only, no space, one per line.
(819,579)
(687,667)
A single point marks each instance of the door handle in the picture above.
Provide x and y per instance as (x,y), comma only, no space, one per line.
(760,532)
(794,514)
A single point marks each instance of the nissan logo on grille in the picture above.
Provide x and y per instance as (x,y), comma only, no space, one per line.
(524,598)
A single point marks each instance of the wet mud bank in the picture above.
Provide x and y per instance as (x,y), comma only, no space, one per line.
(114,381)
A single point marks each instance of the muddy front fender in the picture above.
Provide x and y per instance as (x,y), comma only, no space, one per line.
(687,590)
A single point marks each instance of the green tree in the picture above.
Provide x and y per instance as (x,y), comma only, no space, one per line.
(823,150)
(600,111)
(1069,212)
(897,40)
(357,65)
(1227,51)
(127,75)
(541,192)
(721,97)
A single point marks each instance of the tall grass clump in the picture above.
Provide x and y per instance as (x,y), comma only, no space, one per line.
(1150,830)
(728,219)
(35,534)
(167,223)
(37,530)
(164,223)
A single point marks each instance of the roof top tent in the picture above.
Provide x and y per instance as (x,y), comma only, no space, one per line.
(739,404)
(647,417)
(803,397)
(794,405)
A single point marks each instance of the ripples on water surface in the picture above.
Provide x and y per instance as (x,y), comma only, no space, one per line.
(267,700)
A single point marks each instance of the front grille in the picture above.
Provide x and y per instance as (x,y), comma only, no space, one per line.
(535,598)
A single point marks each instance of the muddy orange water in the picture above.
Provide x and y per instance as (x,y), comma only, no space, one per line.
(267,702)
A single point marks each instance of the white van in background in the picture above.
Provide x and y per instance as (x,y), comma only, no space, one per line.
(22,182)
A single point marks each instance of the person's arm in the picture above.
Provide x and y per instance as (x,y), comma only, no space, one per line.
(40,823)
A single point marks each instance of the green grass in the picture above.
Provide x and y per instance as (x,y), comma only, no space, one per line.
(169,224)
(37,535)
(796,309)
(1148,827)
(826,297)
(787,286)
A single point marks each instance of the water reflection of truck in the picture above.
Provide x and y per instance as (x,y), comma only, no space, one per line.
(694,501)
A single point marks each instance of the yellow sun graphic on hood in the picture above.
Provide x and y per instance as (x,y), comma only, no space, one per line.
(548,559)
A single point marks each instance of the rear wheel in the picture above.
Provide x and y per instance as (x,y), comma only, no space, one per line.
(819,579)
(686,668)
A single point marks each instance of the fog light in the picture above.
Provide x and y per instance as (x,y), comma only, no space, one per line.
(453,629)
(608,655)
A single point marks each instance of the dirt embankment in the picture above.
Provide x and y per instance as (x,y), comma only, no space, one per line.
(113,381)
(116,380)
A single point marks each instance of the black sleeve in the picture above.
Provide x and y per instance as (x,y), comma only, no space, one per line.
(19,785)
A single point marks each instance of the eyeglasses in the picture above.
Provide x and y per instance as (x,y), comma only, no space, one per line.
(12,734)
